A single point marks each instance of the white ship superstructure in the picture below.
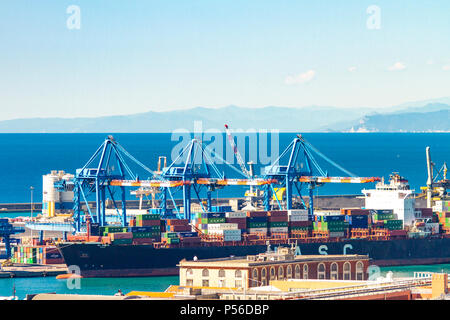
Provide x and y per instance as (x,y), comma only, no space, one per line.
(396,196)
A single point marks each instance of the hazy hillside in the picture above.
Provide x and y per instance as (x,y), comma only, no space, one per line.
(437,121)
(430,117)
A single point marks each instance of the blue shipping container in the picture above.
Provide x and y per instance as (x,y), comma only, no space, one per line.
(187,234)
(208,215)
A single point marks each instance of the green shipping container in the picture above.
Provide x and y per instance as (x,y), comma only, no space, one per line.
(213,220)
(256,225)
(281,224)
(150,216)
(170,235)
(123,241)
(173,240)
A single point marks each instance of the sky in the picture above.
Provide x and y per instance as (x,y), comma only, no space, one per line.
(108,57)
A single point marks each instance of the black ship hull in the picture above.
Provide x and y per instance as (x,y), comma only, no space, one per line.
(95,260)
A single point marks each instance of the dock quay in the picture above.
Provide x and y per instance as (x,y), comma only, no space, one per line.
(32,271)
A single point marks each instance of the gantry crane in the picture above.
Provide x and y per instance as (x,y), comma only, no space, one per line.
(295,174)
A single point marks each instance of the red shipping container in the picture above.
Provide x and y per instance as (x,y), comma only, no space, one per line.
(397,232)
(242,225)
(177,222)
(121,235)
(236,220)
(147,223)
(179,228)
(190,239)
(300,223)
(278,213)
(278,219)
(256,213)
(355,212)
(140,241)
(53,261)
(426,212)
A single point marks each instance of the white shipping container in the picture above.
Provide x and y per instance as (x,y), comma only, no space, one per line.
(297,212)
(236,214)
(222,226)
(257,230)
(225,232)
(280,229)
(336,234)
(298,218)
(235,238)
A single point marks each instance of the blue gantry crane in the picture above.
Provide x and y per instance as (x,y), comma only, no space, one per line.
(6,230)
(302,170)
(105,170)
(198,167)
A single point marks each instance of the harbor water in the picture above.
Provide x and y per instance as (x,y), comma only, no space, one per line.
(110,286)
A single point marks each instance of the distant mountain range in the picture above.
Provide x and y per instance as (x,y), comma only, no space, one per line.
(431,116)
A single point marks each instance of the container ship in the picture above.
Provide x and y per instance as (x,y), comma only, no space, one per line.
(150,242)
(151,246)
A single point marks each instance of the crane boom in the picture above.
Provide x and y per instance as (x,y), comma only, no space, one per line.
(236,152)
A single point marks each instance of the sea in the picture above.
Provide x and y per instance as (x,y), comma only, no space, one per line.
(110,286)
(26,157)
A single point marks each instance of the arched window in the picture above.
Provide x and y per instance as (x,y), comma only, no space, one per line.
(297,272)
(280,273)
(289,272)
(359,271)
(305,271)
(347,271)
(255,282)
(264,276)
(272,273)
(334,271)
(189,277)
(321,272)
(205,273)
(238,278)
(221,278)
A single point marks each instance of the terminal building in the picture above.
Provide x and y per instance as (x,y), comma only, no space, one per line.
(281,264)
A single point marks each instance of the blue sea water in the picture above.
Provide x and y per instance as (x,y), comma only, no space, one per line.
(26,157)
(109,286)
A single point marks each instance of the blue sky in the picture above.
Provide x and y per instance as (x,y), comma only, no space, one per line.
(136,56)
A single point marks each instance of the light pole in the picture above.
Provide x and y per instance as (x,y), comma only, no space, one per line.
(31,191)
(31,212)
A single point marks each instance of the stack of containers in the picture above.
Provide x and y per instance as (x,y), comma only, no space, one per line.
(336,225)
(444,221)
(257,222)
(119,238)
(299,221)
(202,219)
(189,238)
(278,222)
(177,229)
(36,255)
(357,218)
(170,238)
(238,217)
(387,218)
(227,231)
